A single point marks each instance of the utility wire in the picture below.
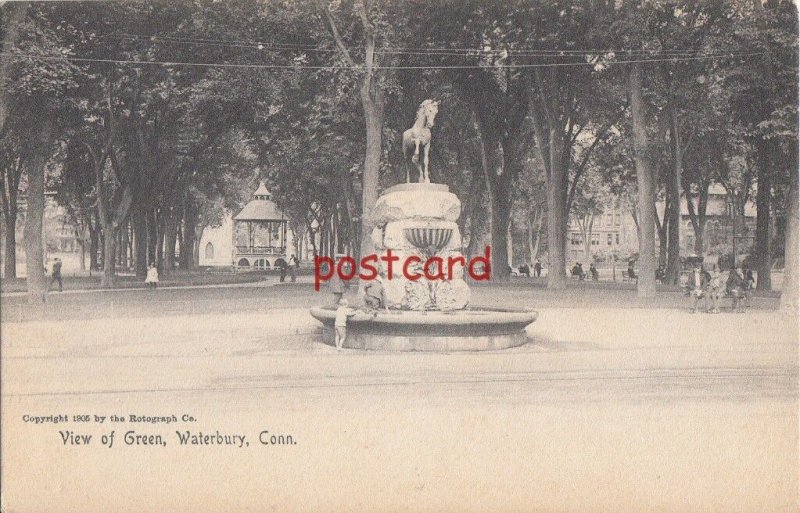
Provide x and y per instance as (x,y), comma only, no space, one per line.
(469,53)
(406,50)
(68,58)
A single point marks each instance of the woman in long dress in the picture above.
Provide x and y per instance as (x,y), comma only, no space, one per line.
(152,276)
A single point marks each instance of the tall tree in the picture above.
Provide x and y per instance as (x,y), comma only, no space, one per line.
(645,178)
(374,29)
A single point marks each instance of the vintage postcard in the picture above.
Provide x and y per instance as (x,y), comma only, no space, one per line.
(419,256)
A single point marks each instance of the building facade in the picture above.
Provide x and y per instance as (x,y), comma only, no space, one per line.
(614,232)
(257,238)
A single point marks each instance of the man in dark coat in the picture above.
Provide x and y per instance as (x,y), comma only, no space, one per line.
(736,288)
(56,275)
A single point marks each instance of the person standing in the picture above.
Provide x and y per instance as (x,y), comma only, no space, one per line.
(56,275)
(340,323)
(283,268)
(152,277)
(537,268)
(294,264)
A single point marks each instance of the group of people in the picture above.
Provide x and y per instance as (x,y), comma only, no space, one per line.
(708,287)
(374,300)
(290,268)
(526,270)
(578,272)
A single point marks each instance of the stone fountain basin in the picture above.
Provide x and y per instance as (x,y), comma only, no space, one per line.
(458,330)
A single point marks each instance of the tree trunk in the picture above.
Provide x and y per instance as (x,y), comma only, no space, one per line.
(645,179)
(94,247)
(790,299)
(170,237)
(187,243)
(533,238)
(698,217)
(673,186)
(198,235)
(152,236)
(140,242)
(37,281)
(510,243)
(82,263)
(663,238)
(160,240)
(499,203)
(372,102)
(109,245)
(10,255)
(763,250)
(123,250)
(557,214)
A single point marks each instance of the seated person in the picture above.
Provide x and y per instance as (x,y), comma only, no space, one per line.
(736,287)
(577,270)
(697,286)
(524,269)
(749,280)
(593,272)
(661,273)
(631,272)
(375,295)
(715,290)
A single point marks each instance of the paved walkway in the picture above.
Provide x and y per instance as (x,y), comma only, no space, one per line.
(269,282)
(628,410)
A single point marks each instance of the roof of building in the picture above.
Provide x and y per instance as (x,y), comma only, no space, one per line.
(260,208)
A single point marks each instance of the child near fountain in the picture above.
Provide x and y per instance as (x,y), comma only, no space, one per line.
(342,313)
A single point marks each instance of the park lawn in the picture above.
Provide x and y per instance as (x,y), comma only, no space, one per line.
(177,279)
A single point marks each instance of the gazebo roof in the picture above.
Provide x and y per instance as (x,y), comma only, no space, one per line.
(260,208)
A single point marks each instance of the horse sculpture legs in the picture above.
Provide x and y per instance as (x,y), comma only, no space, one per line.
(427,178)
(422,167)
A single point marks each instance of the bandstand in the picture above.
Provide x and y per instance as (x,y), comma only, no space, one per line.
(259,234)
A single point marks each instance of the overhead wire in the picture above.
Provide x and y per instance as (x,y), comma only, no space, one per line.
(454,51)
(70,58)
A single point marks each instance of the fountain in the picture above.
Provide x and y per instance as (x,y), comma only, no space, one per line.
(418,220)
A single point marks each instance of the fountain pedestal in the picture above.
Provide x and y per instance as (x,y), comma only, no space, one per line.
(419,219)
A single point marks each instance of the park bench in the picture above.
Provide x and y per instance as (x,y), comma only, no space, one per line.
(575,275)
(627,277)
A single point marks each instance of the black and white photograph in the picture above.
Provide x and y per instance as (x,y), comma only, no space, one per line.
(399,256)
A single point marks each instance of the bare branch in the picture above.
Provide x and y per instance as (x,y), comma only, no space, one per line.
(336,37)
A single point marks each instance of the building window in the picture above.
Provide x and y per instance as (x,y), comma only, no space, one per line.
(244,263)
(209,251)
(595,239)
(617,239)
(617,219)
(609,239)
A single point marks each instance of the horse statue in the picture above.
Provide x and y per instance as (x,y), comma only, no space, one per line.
(420,135)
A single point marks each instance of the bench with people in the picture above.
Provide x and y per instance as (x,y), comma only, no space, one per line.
(710,288)
(577,272)
(630,273)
